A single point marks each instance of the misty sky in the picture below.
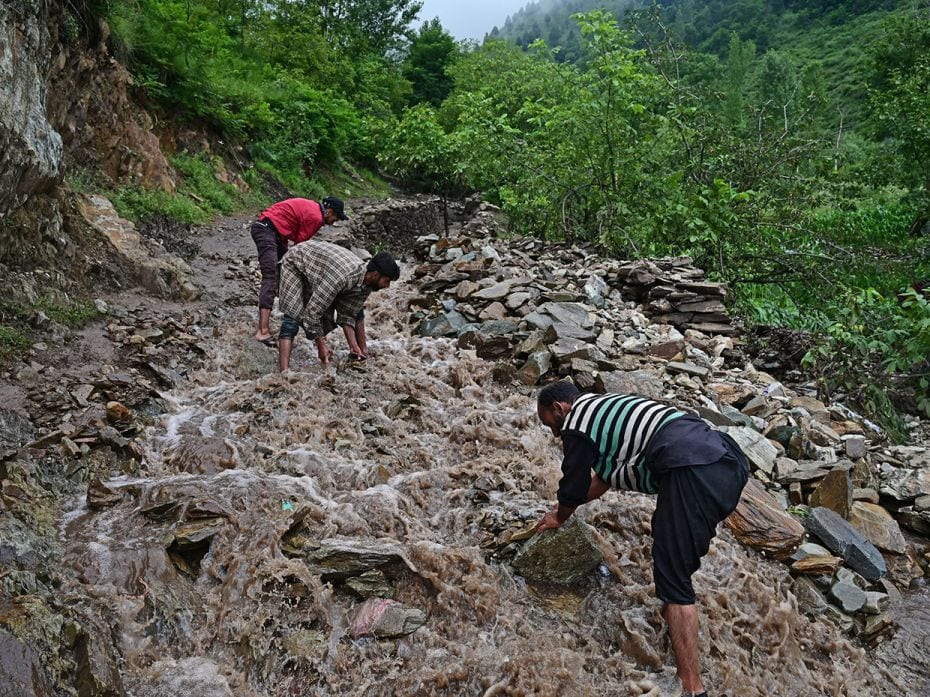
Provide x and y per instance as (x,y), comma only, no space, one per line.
(470,19)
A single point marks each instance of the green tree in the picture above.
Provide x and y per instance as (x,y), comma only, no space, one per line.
(901,102)
(421,153)
(739,64)
(431,52)
(361,26)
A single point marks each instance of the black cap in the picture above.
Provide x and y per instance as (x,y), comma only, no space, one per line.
(337,205)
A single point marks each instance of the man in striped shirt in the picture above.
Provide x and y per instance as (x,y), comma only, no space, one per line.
(637,444)
(324,285)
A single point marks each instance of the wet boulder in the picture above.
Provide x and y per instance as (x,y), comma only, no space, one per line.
(189,676)
(385,619)
(761,523)
(21,672)
(848,597)
(371,584)
(844,540)
(97,672)
(563,556)
(338,560)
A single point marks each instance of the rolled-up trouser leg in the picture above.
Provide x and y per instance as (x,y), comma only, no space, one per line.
(270,250)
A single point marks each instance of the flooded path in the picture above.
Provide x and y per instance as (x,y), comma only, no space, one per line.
(201,566)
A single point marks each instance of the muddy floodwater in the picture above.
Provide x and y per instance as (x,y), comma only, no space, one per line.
(418,451)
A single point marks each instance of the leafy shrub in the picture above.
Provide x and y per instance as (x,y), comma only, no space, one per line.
(877,353)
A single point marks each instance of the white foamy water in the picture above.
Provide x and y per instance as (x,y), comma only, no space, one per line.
(417,448)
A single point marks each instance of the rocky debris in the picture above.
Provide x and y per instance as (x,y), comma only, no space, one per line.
(657,328)
(563,556)
(395,224)
(163,275)
(343,560)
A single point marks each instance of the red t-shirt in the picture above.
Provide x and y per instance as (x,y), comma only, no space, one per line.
(296,219)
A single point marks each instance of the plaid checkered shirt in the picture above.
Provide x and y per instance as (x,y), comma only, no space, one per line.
(319,279)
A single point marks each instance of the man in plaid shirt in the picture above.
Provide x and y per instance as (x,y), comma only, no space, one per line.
(322,285)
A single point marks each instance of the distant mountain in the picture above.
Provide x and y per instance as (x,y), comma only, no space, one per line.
(832,37)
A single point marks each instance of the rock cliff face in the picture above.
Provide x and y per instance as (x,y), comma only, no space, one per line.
(30,149)
(66,107)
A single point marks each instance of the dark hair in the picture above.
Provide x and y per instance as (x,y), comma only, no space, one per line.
(384,264)
(561,391)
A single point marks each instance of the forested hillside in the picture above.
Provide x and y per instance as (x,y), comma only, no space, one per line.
(781,144)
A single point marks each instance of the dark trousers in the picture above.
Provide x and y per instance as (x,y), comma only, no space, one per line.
(271,247)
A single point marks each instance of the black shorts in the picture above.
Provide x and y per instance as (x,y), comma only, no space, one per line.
(692,500)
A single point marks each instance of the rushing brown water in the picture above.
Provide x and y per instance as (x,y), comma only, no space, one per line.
(417,448)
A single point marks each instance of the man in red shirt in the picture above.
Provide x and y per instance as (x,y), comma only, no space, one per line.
(293,221)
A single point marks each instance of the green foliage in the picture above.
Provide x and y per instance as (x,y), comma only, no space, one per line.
(884,338)
(419,151)
(75,313)
(136,203)
(200,181)
(16,336)
(12,341)
(431,52)
(901,100)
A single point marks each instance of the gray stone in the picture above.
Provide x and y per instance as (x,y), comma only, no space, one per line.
(497,327)
(538,320)
(845,541)
(537,365)
(595,289)
(341,559)
(736,416)
(809,549)
(875,602)
(563,556)
(573,331)
(371,584)
(758,449)
(639,382)
(854,446)
(688,369)
(918,521)
(498,291)
(30,148)
(903,485)
(714,417)
(15,428)
(568,313)
(810,600)
(517,300)
(850,598)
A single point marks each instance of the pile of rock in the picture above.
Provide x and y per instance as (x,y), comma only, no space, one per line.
(659,329)
(395,224)
(558,310)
